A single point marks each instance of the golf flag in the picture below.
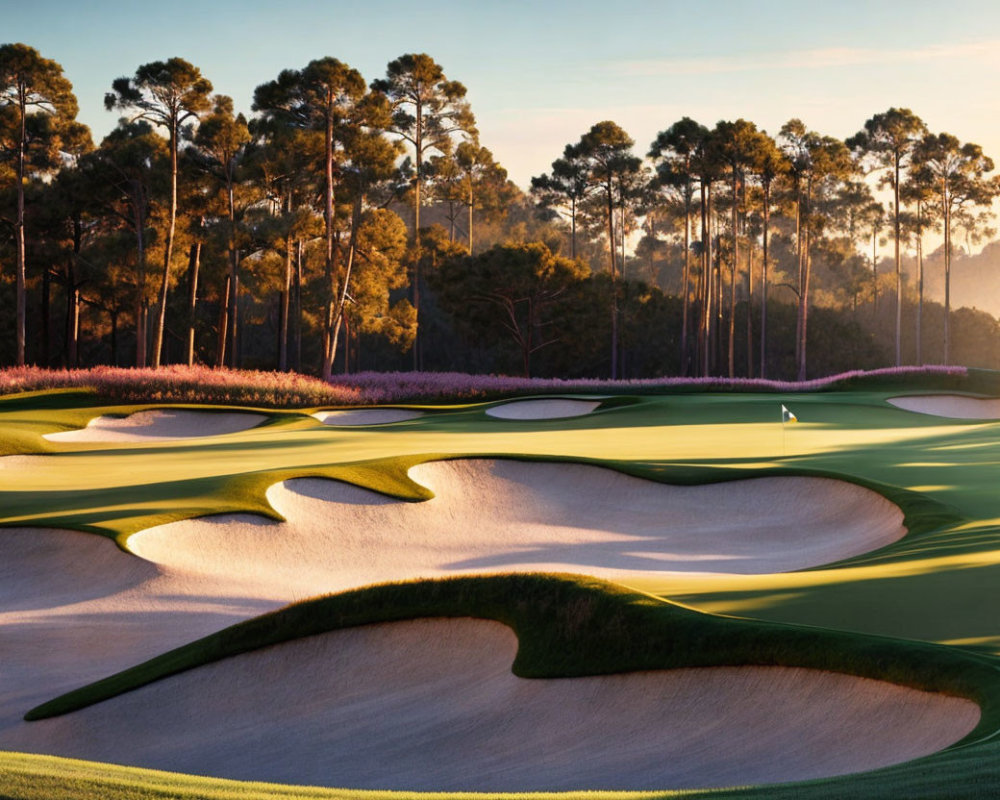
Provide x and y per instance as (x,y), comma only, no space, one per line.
(787,416)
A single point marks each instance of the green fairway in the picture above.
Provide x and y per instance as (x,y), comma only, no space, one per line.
(936,588)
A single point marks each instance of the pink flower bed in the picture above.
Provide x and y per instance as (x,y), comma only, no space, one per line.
(181,384)
(398,387)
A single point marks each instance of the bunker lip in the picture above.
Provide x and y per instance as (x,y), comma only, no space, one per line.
(554,408)
(366,416)
(160,425)
(954,406)
(493,516)
(484,729)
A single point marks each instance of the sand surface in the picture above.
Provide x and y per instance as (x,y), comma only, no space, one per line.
(433,705)
(542,409)
(501,516)
(955,406)
(146,426)
(366,416)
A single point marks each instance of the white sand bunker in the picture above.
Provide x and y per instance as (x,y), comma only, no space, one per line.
(366,416)
(955,406)
(501,516)
(159,425)
(543,409)
(433,705)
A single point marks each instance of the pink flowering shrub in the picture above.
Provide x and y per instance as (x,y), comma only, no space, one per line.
(398,387)
(181,384)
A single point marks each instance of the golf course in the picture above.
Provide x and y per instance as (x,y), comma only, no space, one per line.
(693,591)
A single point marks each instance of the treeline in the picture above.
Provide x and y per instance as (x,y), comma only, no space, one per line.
(362,225)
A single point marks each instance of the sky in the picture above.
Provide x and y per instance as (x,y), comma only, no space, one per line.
(540,73)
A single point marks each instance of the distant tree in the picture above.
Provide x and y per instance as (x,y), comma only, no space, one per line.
(428,111)
(380,268)
(768,163)
(889,139)
(819,164)
(565,188)
(672,152)
(167,94)
(607,150)
(958,173)
(511,289)
(919,194)
(219,146)
(329,99)
(123,173)
(36,102)
(737,144)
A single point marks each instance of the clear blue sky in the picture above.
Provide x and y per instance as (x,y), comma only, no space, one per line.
(539,74)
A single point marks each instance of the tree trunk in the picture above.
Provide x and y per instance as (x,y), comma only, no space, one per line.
(763,283)
(899,274)
(732,280)
(804,308)
(168,249)
(471,204)
(21,290)
(194,262)
(920,283)
(798,277)
(46,318)
(285,302)
(875,272)
(72,325)
(612,246)
(418,146)
(706,258)
(220,351)
(337,315)
(750,245)
(298,306)
(686,281)
(947,274)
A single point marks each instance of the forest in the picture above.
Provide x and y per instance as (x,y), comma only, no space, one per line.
(355,225)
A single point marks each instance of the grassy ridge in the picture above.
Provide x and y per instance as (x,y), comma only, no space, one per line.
(570,626)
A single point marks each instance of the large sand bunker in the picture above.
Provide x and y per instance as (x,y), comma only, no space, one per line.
(433,705)
(542,409)
(956,406)
(366,416)
(159,425)
(493,516)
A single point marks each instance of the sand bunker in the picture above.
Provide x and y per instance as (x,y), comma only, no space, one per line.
(75,608)
(501,516)
(543,409)
(366,416)
(433,705)
(159,425)
(955,406)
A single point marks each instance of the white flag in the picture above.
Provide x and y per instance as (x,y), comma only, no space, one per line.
(787,416)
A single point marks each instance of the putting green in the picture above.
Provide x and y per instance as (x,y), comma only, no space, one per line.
(938,584)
